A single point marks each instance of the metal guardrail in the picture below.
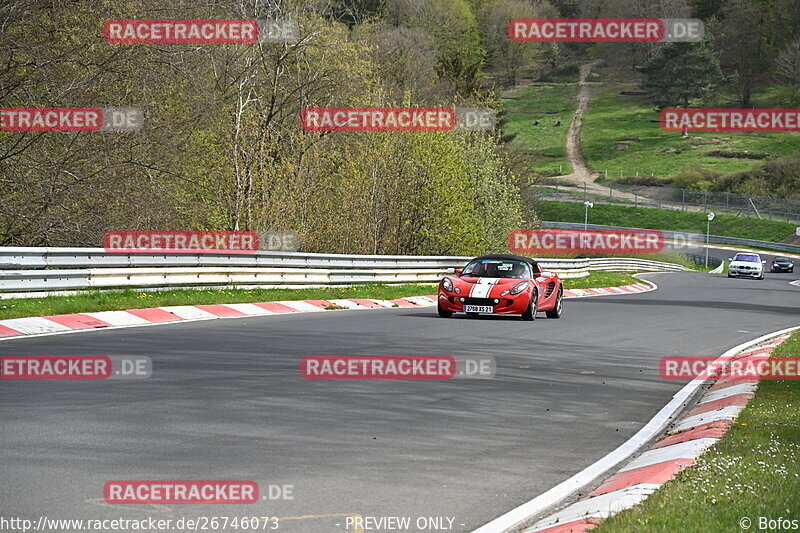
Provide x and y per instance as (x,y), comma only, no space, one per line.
(17,257)
(41,271)
(682,237)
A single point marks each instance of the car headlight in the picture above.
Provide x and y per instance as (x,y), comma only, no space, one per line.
(447,284)
(519,287)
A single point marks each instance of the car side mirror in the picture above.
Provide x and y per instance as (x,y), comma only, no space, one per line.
(545,274)
(763,262)
(457,271)
(730,259)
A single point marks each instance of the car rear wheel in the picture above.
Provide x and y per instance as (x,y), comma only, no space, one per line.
(444,313)
(530,313)
(556,312)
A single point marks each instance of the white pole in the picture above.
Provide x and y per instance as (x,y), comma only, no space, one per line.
(586,217)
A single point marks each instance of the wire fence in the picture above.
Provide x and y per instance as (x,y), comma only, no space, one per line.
(742,205)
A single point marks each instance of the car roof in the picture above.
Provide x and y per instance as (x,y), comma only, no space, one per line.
(747,254)
(507,257)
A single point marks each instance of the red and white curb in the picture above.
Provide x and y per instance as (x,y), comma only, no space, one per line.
(16,327)
(610,291)
(684,440)
(49,325)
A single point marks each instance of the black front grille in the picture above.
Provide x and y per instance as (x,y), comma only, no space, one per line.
(479,301)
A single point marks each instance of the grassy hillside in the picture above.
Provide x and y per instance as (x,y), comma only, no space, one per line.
(642,217)
(548,103)
(621,133)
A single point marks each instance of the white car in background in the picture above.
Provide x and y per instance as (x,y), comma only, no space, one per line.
(746,265)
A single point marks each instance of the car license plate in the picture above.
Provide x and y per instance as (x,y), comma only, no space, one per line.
(478,309)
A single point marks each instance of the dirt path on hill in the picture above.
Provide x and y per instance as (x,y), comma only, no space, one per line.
(581,173)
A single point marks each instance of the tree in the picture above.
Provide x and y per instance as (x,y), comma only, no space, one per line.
(452,23)
(511,60)
(747,52)
(682,72)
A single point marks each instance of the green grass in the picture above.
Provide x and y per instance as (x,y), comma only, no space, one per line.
(90,301)
(650,218)
(601,279)
(753,471)
(544,144)
(619,134)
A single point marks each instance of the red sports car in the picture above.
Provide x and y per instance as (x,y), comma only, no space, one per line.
(501,284)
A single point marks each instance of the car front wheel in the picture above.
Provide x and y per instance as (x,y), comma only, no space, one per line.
(556,312)
(530,313)
(444,313)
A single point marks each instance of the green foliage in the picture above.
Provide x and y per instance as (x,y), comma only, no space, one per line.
(221,148)
(454,26)
(695,177)
(777,177)
(682,72)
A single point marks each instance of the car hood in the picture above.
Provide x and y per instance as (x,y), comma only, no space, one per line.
(487,287)
(745,263)
(491,281)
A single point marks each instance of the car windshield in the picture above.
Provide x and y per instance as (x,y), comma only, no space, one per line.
(497,268)
(781,259)
(747,258)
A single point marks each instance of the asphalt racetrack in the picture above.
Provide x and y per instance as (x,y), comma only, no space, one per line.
(227,401)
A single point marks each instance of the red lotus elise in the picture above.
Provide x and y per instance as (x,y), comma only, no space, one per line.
(501,284)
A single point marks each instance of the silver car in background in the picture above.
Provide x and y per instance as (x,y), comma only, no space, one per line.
(746,265)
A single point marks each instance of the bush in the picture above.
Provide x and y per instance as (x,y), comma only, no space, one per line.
(696,177)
